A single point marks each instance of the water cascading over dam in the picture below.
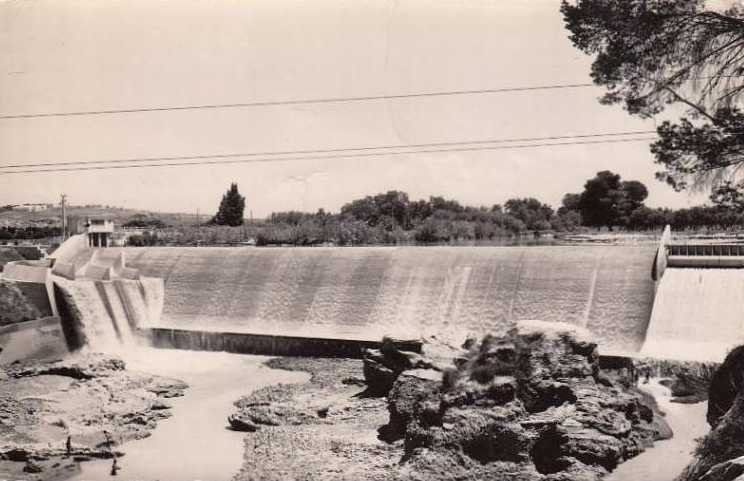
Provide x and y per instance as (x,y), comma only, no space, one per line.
(102,302)
(106,314)
(698,312)
(406,292)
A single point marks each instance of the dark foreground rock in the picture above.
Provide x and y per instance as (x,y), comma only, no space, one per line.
(383,366)
(532,405)
(42,403)
(720,454)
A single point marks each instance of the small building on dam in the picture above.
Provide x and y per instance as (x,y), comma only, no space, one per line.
(100,232)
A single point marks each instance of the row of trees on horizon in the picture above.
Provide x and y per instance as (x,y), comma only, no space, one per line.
(606,201)
(393,217)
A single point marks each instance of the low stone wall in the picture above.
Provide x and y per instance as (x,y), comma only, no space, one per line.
(38,339)
(262,344)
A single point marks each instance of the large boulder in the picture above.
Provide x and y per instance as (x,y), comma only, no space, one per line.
(730,470)
(407,398)
(383,366)
(378,377)
(241,423)
(531,403)
(726,385)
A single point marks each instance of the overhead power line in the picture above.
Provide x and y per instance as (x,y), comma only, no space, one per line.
(219,160)
(333,150)
(272,103)
(322,100)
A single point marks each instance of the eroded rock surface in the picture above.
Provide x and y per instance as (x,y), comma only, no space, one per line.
(42,403)
(383,366)
(531,405)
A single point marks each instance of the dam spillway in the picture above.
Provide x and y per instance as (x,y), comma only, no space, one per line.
(698,314)
(367,292)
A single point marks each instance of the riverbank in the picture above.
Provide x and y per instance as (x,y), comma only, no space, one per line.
(195,443)
(82,397)
(127,396)
(322,430)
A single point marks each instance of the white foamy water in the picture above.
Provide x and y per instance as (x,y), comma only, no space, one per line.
(112,310)
(698,314)
(366,292)
(195,442)
(666,460)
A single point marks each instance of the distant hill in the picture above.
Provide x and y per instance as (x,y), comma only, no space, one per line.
(120,215)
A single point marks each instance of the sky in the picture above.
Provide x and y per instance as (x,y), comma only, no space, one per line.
(79,55)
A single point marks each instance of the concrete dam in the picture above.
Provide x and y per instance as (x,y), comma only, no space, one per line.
(665,301)
(88,297)
(404,292)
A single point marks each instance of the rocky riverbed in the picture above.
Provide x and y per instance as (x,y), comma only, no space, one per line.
(531,405)
(720,455)
(42,403)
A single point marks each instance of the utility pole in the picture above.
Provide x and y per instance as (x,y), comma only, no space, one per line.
(197,217)
(64,216)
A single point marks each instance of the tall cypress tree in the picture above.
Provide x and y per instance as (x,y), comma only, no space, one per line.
(231,208)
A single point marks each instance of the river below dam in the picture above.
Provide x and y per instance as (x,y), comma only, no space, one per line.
(195,443)
(666,459)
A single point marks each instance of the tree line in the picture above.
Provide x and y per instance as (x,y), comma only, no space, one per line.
(606,201)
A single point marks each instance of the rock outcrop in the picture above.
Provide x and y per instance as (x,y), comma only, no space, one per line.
(42,403)
(720,454)
(383,366)
(532,405)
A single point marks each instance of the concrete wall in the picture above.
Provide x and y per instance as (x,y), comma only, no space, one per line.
(38,339)
(71,248)
(38,295)
(661,258)
(264,344)
(36,284)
